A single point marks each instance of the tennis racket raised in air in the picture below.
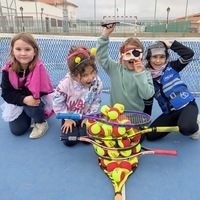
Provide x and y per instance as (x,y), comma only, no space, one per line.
(117,24)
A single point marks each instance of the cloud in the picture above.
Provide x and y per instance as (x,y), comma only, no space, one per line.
(143,9)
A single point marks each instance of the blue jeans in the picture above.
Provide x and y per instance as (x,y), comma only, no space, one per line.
(21,125)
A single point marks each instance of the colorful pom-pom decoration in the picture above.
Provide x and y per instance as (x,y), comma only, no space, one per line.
(77,60)
(93,50)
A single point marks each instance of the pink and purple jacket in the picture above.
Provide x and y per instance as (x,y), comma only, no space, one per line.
(71,96)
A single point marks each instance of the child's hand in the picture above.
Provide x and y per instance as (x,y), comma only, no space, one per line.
(167,43)
(67,126)
(138,65)
(30,101)
(108,30)
(83,122)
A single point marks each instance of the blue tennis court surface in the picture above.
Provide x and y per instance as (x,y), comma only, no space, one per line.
(45,169)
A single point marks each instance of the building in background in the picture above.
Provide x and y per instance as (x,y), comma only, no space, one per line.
(37,15)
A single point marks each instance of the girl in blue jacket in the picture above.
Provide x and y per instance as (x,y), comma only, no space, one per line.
(175,100)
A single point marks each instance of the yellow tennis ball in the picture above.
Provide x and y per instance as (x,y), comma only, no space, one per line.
(133,161)
(100,151)
(109,143)
(104,162)
(137,149)
(99,141)
(126,166)
(113,113)
(136,138)
(106,129)
(94,129)
(119,131)
(120,107)
(113,153)
(131,132)
(124,143)
(90,122)
(118,174)
(126,153)
(104,109)
(111,166)
(125,121)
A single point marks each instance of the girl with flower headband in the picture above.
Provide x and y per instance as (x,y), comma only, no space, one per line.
(175,100)
(130,81)
(78,92)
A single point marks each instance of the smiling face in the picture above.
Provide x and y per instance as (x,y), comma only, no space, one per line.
(23,52)
(157,61)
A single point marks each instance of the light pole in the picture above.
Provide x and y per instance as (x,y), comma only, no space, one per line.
(95,15)
(115,9)
(42,9)
(186,9)
(168,10)
(124,10)
(21,9)
(155,9)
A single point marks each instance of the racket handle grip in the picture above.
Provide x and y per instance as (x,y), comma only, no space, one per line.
(166,152)
(70,138)
(68,116)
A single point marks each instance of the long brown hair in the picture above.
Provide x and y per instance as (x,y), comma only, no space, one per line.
(28,38)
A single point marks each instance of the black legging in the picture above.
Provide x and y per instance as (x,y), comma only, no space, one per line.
(77,131)
(185,119)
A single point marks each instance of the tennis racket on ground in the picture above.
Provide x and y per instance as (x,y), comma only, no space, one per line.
(144,151)
(118,186)
(138,121)
(140,131)
(87,139)
(136,118)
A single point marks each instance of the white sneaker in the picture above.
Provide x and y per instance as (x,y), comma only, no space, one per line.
(196,135)
(39,130)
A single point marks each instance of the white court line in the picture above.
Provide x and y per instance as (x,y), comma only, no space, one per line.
(123,193)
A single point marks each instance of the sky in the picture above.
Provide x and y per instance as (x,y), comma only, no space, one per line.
(143,9)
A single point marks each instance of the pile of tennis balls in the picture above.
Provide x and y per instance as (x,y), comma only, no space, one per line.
(115,114)
(111,114)
(118,169)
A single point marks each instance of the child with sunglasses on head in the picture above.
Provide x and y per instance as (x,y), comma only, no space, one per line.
(78,92)
(130,81)
(175,100)
(25,88)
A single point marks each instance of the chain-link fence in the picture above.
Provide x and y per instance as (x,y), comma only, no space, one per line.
(91,27)
(54,50)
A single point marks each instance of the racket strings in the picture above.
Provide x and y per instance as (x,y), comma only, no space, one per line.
(117,185)
(137,119)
